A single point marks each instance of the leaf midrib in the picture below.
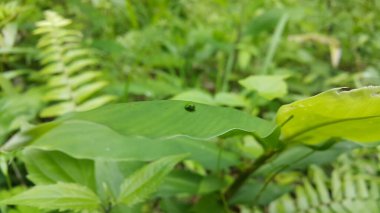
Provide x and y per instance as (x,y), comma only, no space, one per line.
(317,126)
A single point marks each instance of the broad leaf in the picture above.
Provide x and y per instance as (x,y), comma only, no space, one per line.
(197,96)
(267,86)
(144,131)
(145,181)
(353,115)
(156,119)
(73,138)
(231,100)
(61,196)
(164,119)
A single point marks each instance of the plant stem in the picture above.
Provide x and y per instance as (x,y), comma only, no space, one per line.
(243,177)
(18,174)
(273,175)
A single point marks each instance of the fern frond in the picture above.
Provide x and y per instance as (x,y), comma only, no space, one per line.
(71,71)
(8,12)
(343,192)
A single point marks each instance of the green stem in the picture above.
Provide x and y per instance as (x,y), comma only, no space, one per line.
(18,174)
(273,175)
(243,177)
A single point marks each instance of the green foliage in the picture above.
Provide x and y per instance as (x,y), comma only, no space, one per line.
(142,183)
(8,12)
(337,113)
(69,185)
(72,77)
(342,192)
(16,111)
(131,141)
(177,56)
(52,167)
(269,87)
(4,194)
(62,196)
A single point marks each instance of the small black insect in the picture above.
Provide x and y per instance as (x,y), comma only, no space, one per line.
(190,107)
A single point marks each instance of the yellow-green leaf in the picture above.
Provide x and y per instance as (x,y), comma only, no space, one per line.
(267,86)
(353,115)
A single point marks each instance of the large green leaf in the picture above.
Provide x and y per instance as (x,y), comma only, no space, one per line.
(88,140)
(62,196)
(353,115)
(145,181)
(144,131)
(163,119)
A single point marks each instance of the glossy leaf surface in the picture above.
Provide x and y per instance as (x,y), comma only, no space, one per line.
(353,115)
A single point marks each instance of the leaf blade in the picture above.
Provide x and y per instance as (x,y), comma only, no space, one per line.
(351,115)
(62,196)
(146,180)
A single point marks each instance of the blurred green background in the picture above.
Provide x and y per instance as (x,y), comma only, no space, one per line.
(253,55)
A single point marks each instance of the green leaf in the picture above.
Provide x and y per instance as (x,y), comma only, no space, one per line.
(168,119)
(22,138)
(195,96)
(71,138)
(252,190)
(58,94)
(57,80)
(57,109)
(146,131)
(173,205)
(8,193)
(76,53)
(61,196)
(301,157)
(231,100)
(80,64)
(95,102)
(108,185)
(86,91)
(83,78)
(211,184)
(145,181)
(208,203)
(180,182)
(49,167)
(267,86)
(352,115)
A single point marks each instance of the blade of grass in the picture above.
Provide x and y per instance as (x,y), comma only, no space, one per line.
(274,42)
